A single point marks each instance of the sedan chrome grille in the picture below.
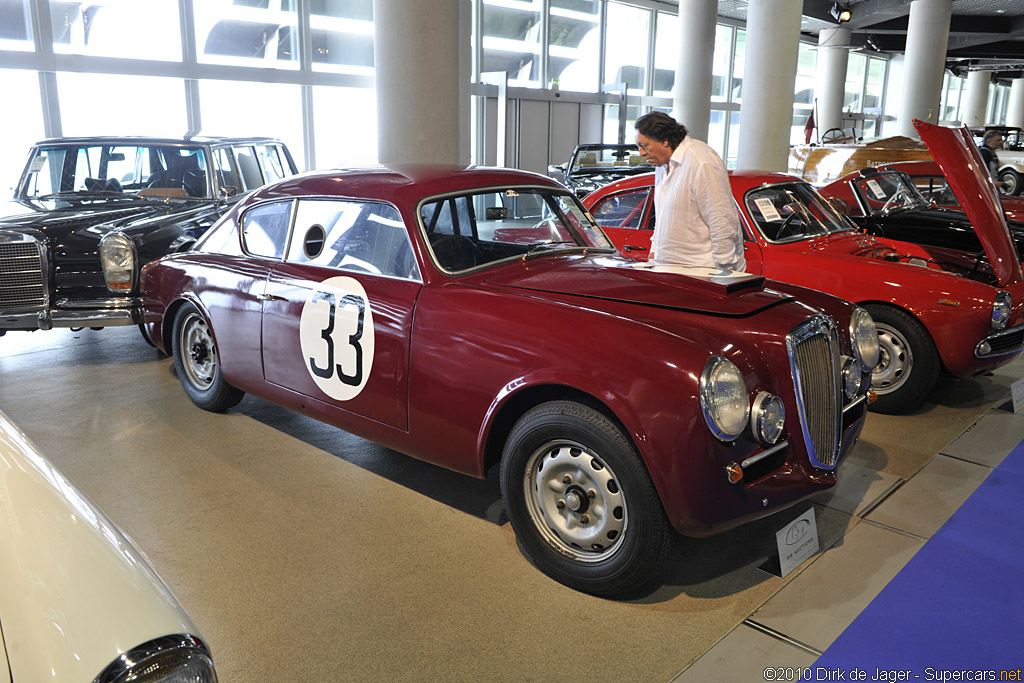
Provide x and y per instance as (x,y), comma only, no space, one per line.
(21,274)
(814,361)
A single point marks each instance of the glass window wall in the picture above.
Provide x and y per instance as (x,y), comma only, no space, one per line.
(247,33)
(511,42)
(106,104)
(575,44)
(132,29)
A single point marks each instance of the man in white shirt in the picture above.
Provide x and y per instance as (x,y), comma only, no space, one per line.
(696,221)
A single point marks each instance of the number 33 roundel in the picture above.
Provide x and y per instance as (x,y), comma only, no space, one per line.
(336,335)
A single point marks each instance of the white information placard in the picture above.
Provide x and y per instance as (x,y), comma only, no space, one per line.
(797,541)
(1018,396)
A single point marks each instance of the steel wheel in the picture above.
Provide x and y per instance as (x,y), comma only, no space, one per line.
(198,363)
(908,362)
(574,501)
(581,501)
(199,359)
(895,360)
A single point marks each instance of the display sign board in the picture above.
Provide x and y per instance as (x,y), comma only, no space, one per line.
(1018,396)
(797,541)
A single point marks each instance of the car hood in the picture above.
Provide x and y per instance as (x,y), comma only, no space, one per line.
(56,220)
(700,290)
(76,593)
(958,157)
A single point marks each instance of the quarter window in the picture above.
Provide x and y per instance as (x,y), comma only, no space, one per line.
(363,237)
(265,229)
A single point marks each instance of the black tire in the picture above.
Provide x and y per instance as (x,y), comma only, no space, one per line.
(198,364)
(1011,182)
(908,363)
(581,502)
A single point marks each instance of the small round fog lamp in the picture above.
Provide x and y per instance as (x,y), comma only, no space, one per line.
(767,417)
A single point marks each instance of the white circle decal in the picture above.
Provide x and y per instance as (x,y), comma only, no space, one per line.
(336,336)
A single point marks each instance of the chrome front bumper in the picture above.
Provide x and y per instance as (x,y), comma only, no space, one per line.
(84,317)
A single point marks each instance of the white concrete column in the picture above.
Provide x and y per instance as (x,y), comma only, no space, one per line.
(975,98)
(927,37)
(1015,107)
(830,88)
(691,93)
(418,56)
(769,76)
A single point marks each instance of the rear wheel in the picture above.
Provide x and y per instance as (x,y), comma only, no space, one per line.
(1011,182)
(581,502)
(908,363)
(197,363)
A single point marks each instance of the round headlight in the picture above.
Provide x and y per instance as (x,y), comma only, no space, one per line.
(767,417)
(1001,310)
(852,378)
(864,338)
(117,256)
(723,398)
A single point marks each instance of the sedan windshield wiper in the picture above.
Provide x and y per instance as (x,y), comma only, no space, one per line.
(89,195)
(549,248)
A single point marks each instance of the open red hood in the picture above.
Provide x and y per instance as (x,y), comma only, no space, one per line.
(961,163)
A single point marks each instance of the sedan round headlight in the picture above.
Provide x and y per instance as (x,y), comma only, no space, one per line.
(864,338)
(767,417)
(117,256)
(723,398)
(1001,310)
(852,378)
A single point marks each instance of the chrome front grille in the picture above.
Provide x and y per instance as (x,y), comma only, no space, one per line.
(814,360)
(21,273)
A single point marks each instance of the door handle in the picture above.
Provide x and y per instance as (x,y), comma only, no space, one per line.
(269,297)
(634,247)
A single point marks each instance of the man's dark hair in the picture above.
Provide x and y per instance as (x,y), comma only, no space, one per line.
(989,134)
(659,126)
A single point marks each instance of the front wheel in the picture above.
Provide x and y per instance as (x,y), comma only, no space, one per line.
(908,363)
(581,502)
(197,363)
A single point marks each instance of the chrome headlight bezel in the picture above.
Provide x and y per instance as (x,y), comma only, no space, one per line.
(175,657)
(853,378)
(767,418)
(1001,308)
(118,258)
(724,399)
(864,339)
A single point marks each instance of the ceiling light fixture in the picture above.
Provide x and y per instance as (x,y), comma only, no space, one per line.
(838,13)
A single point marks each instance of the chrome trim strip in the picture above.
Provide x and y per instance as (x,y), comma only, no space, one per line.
(764,454)
(855,402)
(1019,329)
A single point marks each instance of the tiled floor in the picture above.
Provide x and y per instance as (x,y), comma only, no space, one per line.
(306,554)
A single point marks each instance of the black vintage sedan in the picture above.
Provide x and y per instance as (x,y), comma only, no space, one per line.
(88,212)
(887,203)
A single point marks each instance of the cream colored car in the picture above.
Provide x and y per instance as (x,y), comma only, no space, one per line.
(78,601)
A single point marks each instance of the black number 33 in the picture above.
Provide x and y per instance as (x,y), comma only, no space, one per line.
(356,378)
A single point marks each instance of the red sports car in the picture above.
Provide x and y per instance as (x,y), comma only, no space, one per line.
(479,317)
(935,308)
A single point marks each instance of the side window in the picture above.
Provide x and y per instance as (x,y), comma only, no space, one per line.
(226,176)
(272,162)
(248,167)
(265,229)
(363,237)
(621,210)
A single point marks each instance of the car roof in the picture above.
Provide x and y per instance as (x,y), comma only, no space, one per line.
(154,140)
(402,183)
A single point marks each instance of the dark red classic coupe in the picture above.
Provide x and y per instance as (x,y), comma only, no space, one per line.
(935,308)
(479,317)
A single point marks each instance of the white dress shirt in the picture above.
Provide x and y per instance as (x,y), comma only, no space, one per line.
(696,220)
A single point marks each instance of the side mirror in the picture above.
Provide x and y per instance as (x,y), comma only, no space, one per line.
(228,190)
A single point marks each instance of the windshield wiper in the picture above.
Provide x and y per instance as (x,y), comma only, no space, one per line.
(89,194)
(548,248)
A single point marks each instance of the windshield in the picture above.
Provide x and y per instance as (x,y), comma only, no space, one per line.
(793,211)
(888,192)
(479,228)
(601,159)
(124,170)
